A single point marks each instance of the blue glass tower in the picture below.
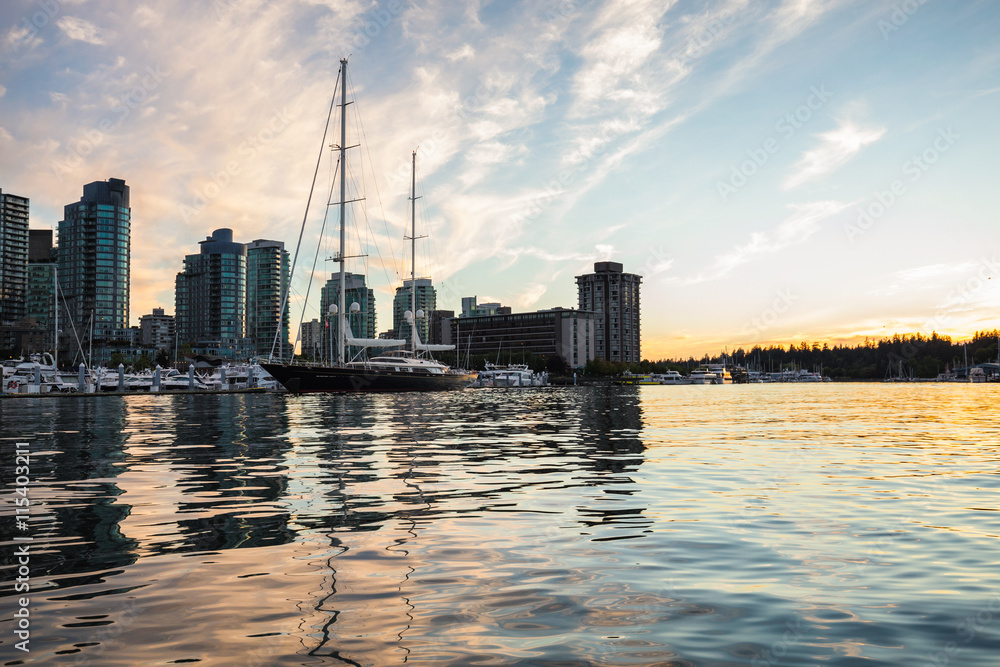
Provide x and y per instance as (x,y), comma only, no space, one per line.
(210,296)
(94,245)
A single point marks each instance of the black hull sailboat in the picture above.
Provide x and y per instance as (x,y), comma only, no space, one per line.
(306,379)
(396,370)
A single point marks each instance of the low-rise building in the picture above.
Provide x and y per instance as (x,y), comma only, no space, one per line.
(312,339)
(562,332)
(157,330)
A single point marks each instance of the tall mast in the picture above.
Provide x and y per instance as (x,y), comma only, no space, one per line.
(341,329)
(413,252)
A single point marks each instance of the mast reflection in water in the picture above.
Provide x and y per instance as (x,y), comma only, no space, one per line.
(620,525)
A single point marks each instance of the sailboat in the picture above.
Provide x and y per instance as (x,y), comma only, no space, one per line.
(396,370)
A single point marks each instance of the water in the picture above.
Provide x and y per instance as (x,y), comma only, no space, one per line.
(745,525)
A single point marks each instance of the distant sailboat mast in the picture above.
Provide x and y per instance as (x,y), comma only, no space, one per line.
(413,254)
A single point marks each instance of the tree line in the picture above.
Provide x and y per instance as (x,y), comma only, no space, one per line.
(918,356)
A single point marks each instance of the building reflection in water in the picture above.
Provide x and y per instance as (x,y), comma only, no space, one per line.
(402,472)
(209,480)
(76,465)
(373,500)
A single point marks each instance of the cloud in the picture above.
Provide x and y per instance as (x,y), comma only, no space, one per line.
(465,52)
(795,230)
(835,149)
(22,38)
(3,91)
(924,278)
(549,256)
(933,271)
(145,15)
(81,30)
(530,296)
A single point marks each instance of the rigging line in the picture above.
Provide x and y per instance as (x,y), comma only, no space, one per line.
(378,252)
(305,216)
(312,273)
(426,217)
(79,345)
(381,207)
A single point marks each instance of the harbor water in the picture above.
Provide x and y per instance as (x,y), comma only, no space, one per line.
(833,524)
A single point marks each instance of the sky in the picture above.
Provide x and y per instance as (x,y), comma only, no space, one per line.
(778,171)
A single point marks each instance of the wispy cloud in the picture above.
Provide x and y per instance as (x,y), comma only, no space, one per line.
(22,38)
(933,271)
(795,230)
(835,149)
(530,296)
(633,100)
(81,29)
(927,277)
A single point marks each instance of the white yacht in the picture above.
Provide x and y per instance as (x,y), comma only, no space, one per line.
(702,375)
(19,377)
(514,375)
(722,374)
(670,377)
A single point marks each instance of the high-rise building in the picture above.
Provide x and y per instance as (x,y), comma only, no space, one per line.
(13,257)
(268,273)
(93,258)
(614,296)
(157,330)
(362,323)
(210,297)
(41,301)
(402,302)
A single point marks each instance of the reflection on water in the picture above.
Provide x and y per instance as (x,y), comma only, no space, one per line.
(763,525)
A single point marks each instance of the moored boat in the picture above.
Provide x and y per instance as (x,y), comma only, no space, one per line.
(398,370)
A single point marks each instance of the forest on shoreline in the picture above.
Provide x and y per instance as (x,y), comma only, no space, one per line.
(915,356)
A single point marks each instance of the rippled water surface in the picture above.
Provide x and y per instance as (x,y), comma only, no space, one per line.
(827,524)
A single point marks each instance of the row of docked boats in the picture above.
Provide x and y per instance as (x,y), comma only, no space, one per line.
(720,374)
(708,374)
(39,375)
(513,375)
